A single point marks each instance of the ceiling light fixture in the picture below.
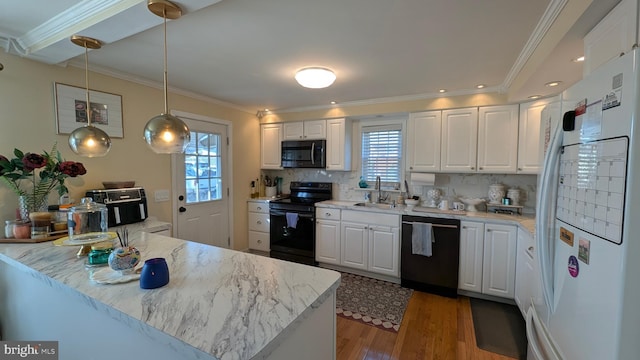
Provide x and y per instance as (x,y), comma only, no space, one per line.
(165,133)
(579,59)
(480,86)
(533,97)
(442,90)
(88,140)
(553,83)
(333,102)
(315,77)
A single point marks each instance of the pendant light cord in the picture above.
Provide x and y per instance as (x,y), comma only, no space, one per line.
(166,93)
(86,82)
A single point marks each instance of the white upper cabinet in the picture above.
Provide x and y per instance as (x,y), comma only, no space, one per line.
(530,136)
(497,139)
(423,141)
(305,130)
(270,142)
(459,140)
(338,144)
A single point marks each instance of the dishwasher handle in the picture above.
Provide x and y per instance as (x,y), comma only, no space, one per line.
(433,225)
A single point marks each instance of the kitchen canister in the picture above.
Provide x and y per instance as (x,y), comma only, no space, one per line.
(87,218)
(496,193)
(514,195)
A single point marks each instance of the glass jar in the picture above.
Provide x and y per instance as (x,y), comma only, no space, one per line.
(88,217)
(8,228)
(99,253)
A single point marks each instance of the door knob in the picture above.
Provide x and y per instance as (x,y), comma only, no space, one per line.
(182,209)
(181,197)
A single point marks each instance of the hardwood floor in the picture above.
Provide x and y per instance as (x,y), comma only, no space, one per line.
(433,327)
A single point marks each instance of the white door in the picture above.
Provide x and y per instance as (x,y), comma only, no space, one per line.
(202,184)
(328,241)
(423,141)
(459,140)
(471,256)
(384,250)
(499,264)
(355,238)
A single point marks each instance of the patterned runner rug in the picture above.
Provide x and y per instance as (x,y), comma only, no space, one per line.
(374,302)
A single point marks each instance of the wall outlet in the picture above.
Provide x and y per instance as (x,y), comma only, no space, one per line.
(161,195)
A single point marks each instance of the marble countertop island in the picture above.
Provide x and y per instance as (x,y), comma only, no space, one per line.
(219,303)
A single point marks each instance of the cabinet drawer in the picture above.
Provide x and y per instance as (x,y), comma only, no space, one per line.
(258,241)
(329,214)
(259,222)
(261,207)
(369,217)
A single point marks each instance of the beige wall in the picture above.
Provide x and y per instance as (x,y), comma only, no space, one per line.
(27,122)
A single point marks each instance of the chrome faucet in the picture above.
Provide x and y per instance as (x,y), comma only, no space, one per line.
(379,188)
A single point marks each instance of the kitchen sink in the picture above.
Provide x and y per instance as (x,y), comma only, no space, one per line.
(372,205)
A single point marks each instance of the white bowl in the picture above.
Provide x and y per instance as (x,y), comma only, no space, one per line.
(471,203)
(411,202)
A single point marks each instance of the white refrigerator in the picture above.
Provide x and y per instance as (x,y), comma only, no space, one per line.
(588,223)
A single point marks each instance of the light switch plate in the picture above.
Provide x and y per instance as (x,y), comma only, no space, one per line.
(161,195)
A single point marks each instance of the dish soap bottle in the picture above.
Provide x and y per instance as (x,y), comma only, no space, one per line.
(363,184)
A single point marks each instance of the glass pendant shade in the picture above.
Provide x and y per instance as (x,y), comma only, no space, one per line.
(166,134)
(89,141)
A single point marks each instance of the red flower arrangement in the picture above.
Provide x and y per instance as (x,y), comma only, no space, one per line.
(53,171)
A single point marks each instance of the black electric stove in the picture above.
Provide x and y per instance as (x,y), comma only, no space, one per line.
(293,222)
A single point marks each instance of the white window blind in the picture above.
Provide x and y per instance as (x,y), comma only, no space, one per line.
(381,152)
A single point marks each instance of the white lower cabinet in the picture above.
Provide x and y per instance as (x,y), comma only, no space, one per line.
(488,258)
(258,212)
(366,241)
(328,236)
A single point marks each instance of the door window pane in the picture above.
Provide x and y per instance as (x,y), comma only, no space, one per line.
(202,163)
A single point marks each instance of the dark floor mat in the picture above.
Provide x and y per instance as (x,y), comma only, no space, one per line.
(499,328)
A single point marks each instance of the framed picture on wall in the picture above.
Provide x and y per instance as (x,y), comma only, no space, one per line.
(72,110)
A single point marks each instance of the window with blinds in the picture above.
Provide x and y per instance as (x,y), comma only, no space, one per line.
(382,152)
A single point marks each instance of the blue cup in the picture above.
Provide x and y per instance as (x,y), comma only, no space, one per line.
(155,273)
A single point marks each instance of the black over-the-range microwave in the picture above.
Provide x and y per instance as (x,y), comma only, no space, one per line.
(304,154)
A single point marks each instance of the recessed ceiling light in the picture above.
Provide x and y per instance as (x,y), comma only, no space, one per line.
(333,102)
(442,90)
(579,59)
(535,97)
(553,83)
(266,109)
(480,86)
(315,77)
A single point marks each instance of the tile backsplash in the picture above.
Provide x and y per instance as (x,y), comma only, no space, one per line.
(451,185)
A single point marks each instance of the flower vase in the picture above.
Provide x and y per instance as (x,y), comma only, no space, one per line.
(28,204)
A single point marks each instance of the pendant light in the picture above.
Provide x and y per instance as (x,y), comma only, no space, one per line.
(165,133)
(88,140)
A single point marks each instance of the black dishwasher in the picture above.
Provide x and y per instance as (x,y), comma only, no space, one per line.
(438,273)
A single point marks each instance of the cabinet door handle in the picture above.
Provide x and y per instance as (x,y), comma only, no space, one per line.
(464,227)
(530,248)
(259,222)
(327,214)
(259,241)
(519,169)
(480,168)
(473,168)
(259,208)
(488,230)
(410,167)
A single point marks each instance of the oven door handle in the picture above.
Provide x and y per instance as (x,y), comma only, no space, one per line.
(313,150)
(283,213)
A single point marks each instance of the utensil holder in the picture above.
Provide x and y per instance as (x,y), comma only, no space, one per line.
(271,191)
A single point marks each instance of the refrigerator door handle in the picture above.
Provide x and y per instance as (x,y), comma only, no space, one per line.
(540,344)
(544,222)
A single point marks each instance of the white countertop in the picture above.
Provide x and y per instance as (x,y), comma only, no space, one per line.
(226,303)
(527,222)
(150,224)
